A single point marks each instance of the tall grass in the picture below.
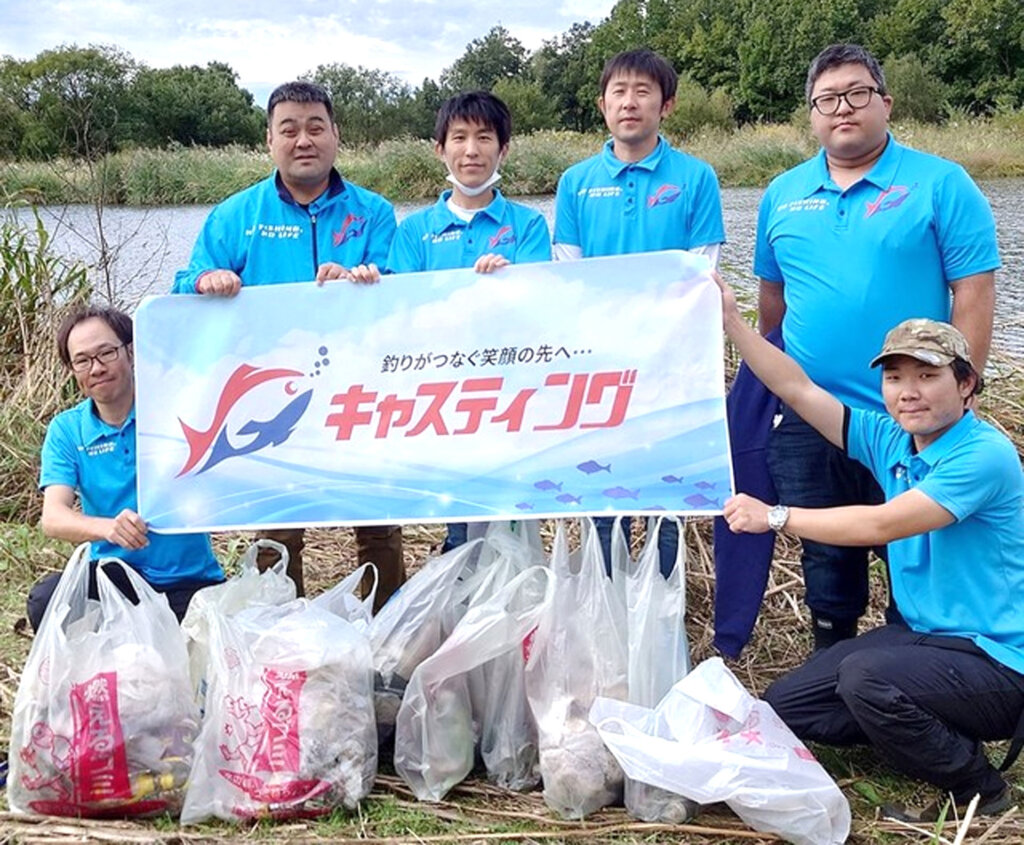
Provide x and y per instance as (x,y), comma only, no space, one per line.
(406,169)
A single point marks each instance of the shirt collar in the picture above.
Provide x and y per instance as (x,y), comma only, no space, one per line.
(937,450)
(441,217)
(94,428)
(615,165)
(880,175)
(335,186)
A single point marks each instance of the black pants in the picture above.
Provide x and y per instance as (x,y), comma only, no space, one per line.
(178,594)
(925,703)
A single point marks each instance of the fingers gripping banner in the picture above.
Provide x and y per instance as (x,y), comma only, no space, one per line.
(555,389)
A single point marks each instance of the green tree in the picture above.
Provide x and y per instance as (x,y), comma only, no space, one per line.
(983,53)
(497,55)
(369,105)
(530,109)
(566,71)
(916,93)
(695,109)
(194,105)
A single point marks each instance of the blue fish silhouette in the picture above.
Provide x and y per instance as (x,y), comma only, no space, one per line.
(568,498)
(655,508)
(672,479)
(267,432)
(590,467)
(524,506)
(547,485)
(698,500)
(621,493)
(704,485)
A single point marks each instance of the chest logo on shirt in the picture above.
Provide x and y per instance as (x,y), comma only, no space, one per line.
(887,200)
(664,195)
(601,192)
(94,450)
(503,237)
(279,231)
(351,227)
(808,204)
(444,237)
(240,425)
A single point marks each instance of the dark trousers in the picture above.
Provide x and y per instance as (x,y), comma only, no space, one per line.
(924,702)
(668,541)
(178,594)
(810,472)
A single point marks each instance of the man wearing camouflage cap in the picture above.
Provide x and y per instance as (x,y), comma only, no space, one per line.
(925,690)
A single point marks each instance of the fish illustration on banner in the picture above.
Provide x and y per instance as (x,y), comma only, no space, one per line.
(436,397)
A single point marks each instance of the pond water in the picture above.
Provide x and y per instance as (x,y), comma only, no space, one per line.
(150,244)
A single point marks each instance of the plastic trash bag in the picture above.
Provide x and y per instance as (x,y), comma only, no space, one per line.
(710,740)
(658,656)
(289,729)
(578,653)
(248,588)
(341,599)
(104,720)
(435,733)
(411,626)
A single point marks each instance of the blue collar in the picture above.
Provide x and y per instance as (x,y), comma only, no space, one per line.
(94,428)
(649,162)
(335,186)
(441,217)
(880,175)
(937,450)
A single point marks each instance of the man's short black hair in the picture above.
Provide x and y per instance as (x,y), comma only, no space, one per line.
(643,63)
(299,91)
(963,371)
(120,322)
(480,107)
(844,54)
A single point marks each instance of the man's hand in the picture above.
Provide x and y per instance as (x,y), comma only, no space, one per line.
(219,283)
(366,274)
(127,530)
(746,515)
(490,262)
(729,306)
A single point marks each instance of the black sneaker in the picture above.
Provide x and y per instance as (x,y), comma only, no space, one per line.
(995,806)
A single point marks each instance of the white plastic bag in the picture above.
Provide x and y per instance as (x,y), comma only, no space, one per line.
(411,626)
(578,653)
(289,729)
(104,719)
(710,740)
(341,599)
(436,733)
(249,588)
(658,657)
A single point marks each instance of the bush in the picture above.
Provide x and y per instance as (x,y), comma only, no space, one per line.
(916,94)
(695,110)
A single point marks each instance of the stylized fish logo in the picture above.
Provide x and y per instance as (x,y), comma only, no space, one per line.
(590,467)
(705,485)
(664,195)
(889,199)
(502,237)
(621,493)
(547,485)
(569,499)
(524,506)
(672,479)
(351,227)
(240,382)
(698,500)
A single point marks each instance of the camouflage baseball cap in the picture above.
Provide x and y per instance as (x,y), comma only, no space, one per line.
(930,341)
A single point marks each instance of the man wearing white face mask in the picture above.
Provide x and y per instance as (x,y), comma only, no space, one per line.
(471,224)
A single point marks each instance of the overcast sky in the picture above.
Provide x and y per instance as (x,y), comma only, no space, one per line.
(269,41)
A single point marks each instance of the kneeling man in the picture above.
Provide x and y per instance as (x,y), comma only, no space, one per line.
(927,690)
(89,453)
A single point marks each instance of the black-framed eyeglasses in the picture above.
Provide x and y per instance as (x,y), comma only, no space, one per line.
(856,98)
(83,363)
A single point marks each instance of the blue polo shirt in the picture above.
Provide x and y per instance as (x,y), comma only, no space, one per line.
(668,200)
(435,239)
(856,262)
(966,579)
(97,460)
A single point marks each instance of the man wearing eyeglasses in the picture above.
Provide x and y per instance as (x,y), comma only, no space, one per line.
(866,234)
(89,455)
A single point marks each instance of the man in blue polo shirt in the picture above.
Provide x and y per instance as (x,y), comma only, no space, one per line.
(471,224)
(302,222)
(89,453)
(638,194)
(927,688)
(849,243)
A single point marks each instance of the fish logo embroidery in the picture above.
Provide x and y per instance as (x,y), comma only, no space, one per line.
(214,440)
(351,227)
(503,237)
(664,195)
(887,200)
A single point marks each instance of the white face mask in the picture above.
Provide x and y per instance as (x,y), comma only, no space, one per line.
(479,189)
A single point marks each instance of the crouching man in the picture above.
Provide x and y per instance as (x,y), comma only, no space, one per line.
(925,691)
(89,454)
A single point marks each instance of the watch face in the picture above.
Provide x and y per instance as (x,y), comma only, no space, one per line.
(777,517)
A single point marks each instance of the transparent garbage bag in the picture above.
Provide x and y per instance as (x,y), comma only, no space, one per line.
(435,732)
(104,720)
(578,653)
(710,740)
(289,730)
(341,599)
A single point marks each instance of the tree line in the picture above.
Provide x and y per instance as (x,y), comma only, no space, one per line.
(740,62)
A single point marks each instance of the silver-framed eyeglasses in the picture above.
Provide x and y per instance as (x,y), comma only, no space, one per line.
(856,98)
(83,363)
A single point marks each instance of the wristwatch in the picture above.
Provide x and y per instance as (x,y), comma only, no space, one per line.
(777,517)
